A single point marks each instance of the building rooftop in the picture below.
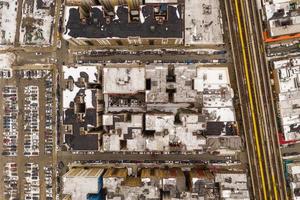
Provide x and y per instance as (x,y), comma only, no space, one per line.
(233,185)
(211,78)
(151,173)
(79,182)
(161,183)
(123,133)
(6,62)
(283,17)
(8,21)
(203,22)
(287,85)
(170,83)
(217,95)
(293,170)
(183,136)
(156,107)
(115,172)
(80,106)
(229,143)
(147,25)
(132,182)
(123,80)
(37,22)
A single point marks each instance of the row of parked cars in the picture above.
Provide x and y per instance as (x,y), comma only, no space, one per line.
(32,181)
(32,74)
(48,181)
(49,113)
(5,73)
(10,120)
(31,120)
(10,181)
(31,147)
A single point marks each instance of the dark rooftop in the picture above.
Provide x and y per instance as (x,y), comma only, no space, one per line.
(75,140)
(96,26)
(216,128)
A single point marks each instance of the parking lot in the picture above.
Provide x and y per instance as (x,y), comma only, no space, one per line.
(10,122)
(27,134)
(48,181)
(31,121)
(48,114)
(10,181)
(32,181)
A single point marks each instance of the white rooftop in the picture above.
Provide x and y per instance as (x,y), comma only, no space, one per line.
(82,183)
(211,78)
(278,25)
(293,168)
(220,114)
(8,21)
(121,80)
(6,61)
(236,188)
(203,22)
(287,62)
(288,84)
(74,73)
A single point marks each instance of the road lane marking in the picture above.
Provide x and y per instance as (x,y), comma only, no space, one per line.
(255,97)
(251,101)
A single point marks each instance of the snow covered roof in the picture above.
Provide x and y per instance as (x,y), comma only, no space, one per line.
(122,80)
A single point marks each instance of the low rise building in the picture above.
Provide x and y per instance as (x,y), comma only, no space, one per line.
(202,184)
(135,183)
(133,189)
(232,185)
(123,88)
(171,83)
(156,107)
(123,132)
(168,89)
(8,22)
(165,135)
(293,170)
(81,94)
(203,22)
(287,86)
(114,177)
(80,184)
(283,17)
(6,62)
(152,184)
(37,23)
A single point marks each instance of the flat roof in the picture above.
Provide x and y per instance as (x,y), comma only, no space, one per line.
(211,77)
(201,174)
(123,80)
(76,140)
(120,27)
(79,182)
(287,81)
(6,60)
(37,22)
(71,95)
(282,18)
(203,22)
(115,173)
(8,21)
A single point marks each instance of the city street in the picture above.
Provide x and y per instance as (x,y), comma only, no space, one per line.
(256,101)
